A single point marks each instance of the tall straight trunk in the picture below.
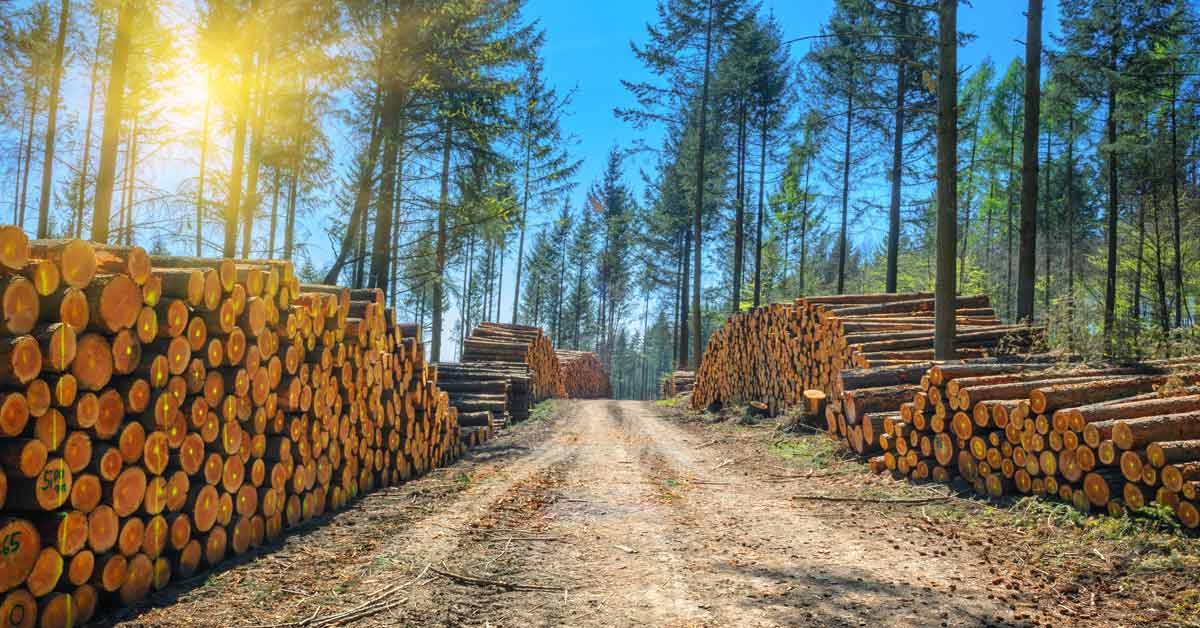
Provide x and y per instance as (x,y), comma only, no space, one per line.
(500,282)
(524,212)
(16,215)
(685,304)
(1110,284)
(393,140)
(987,226)
(1008,220)
(131,179)
(362,200)
(804,225)
(1069,208)
(1045,220)
(203,165)
(464,316)
(945,300)
(87,133)
(64,20)
(739,219)
(435,343)
(893,242)
(1135,309)
(1160,277)
(677,301)
(841,273)
(697,212)
(562,286)
(242,115)
(1177,259)
(1027,271)
(360,253)
(758,223)
(33,109)
(289,226)
(393,267)
(251,202)
(275,185)
(966,232)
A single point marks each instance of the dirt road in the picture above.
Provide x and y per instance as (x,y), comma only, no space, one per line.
(608,515)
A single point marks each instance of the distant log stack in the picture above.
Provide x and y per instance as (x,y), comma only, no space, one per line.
(773,354)
(583,375)
(677,383)
(160,414)
(520,344)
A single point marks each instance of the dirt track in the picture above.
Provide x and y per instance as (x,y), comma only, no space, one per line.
(609,515)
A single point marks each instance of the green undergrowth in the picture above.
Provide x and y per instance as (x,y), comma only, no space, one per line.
(544,411)
(670,402)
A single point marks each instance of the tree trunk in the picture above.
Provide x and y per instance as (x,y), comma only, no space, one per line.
(524,212)
(893,242)
(947,175)
(1177,261)
(16,215)
(966,232)
(289,227)
(33,109)
(1027,272)
(804,224)
(362,200)
(203,164)
(234,202)
(275,185)
(64,19)
(1045,219)
(393,140)
(685,303)
(1069,202)
(87,134)
(131,178)
(435,343)
(697,227)
(251,202)
(739,218)
(841,272)
(1008,219)
(762,182)
(1110,285)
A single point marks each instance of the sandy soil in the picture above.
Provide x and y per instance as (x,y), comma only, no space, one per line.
(613,514)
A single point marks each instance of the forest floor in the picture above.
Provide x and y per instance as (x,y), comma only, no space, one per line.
(622,513)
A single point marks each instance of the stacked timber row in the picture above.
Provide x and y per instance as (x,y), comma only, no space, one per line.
(1109,438)
(519,344)
(583,375)
(161,414)
(772,355)
(487,395)
(677,383)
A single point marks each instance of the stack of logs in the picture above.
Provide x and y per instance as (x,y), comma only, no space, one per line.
(583,375)
(160,414)
(771,355)
(487,395)
(519,344)
(677,383)
(1109,437)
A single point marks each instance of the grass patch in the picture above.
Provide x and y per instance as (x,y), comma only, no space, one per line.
(817,452)
(671,402)
(544,411)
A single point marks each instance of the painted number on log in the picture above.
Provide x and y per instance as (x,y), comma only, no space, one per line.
(53,479)
(11,544)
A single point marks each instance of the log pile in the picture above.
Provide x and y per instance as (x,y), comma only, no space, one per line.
(519,344)
(486,394)
(677,383)
(1112,438)
(773,354)
(161,414)
(583,375)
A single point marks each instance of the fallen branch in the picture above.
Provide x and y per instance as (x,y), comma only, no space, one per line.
(514,586)
(870,500)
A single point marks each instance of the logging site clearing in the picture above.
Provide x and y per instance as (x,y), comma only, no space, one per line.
(624,513)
